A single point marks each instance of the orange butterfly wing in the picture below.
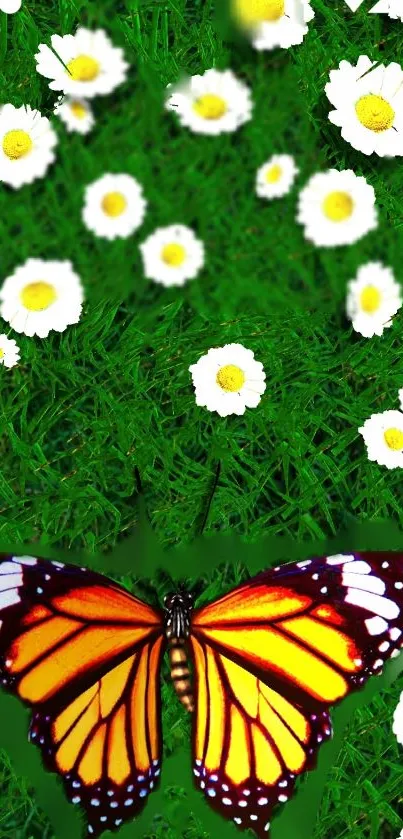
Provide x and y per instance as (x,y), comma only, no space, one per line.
(270,658)
(85,655)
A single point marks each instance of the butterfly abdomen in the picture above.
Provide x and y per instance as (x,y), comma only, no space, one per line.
(180,673)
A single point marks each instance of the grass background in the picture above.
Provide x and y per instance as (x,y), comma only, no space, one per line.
(82,408)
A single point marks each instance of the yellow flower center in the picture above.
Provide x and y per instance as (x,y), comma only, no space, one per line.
(114,204)
(374,112)
(338,206)
(38,296)
(230,378)
(78,110)
(370,299)
(394,439)
(210,106)
(274,174)
(1,353)
(83,68)
(173,254)
(251,12)
(16,144)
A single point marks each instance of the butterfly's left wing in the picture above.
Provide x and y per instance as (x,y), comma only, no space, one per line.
(269,659)
(84,655)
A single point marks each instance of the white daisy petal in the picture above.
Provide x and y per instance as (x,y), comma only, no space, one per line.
(214,103)
(274,23)
(9,352)
(392,8)
(369,108)
(10,6)
(76,114)
(94,66)
(114,206)
(373,297)
(397,726)
(337,208)
(27,142)
(172,255)
(276,177)
(40,296)
(228,380)
(383,437)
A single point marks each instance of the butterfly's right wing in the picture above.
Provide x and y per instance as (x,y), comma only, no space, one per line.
(85,655)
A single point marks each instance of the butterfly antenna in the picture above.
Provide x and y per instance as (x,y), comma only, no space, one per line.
(210,498)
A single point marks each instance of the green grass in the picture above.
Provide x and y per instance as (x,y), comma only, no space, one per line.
(83,408)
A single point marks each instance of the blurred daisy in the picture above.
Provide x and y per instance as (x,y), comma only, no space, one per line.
(76,114)
(114,206)
(40,296)
(213,103)
(10,6)
(172,255)
(228,380)
(276,177)
(369,108)
(393,8)
(27,142)
(93,66)
(274,23)
(337,208)
(383,437)
(397,726)
(9,352)
(373,298)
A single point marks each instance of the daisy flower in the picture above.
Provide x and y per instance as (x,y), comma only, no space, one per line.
(172,255)
(10,6)
(393,8)
(274,23)
(397,726)
(9,352)
(337,208)
(228,380)
(76,114)
(213,103)
(40,296)
(383,437)
(27,142)
(114,206)
(93,66)
(369,108)
(276,177)
(373,298)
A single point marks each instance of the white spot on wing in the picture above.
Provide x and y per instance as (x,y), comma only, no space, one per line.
(8,598)
(10,568)
(8,581)
(374,584)
(26,560)
(373,603)
(395,633)
(339,559)
(359,567)
(304,563)
(375,626)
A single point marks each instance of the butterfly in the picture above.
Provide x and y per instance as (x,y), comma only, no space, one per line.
(268,660)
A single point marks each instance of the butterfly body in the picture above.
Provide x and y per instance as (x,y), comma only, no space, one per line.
(269,659)
(177,629)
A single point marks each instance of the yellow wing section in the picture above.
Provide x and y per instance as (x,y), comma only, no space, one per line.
(249,742)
